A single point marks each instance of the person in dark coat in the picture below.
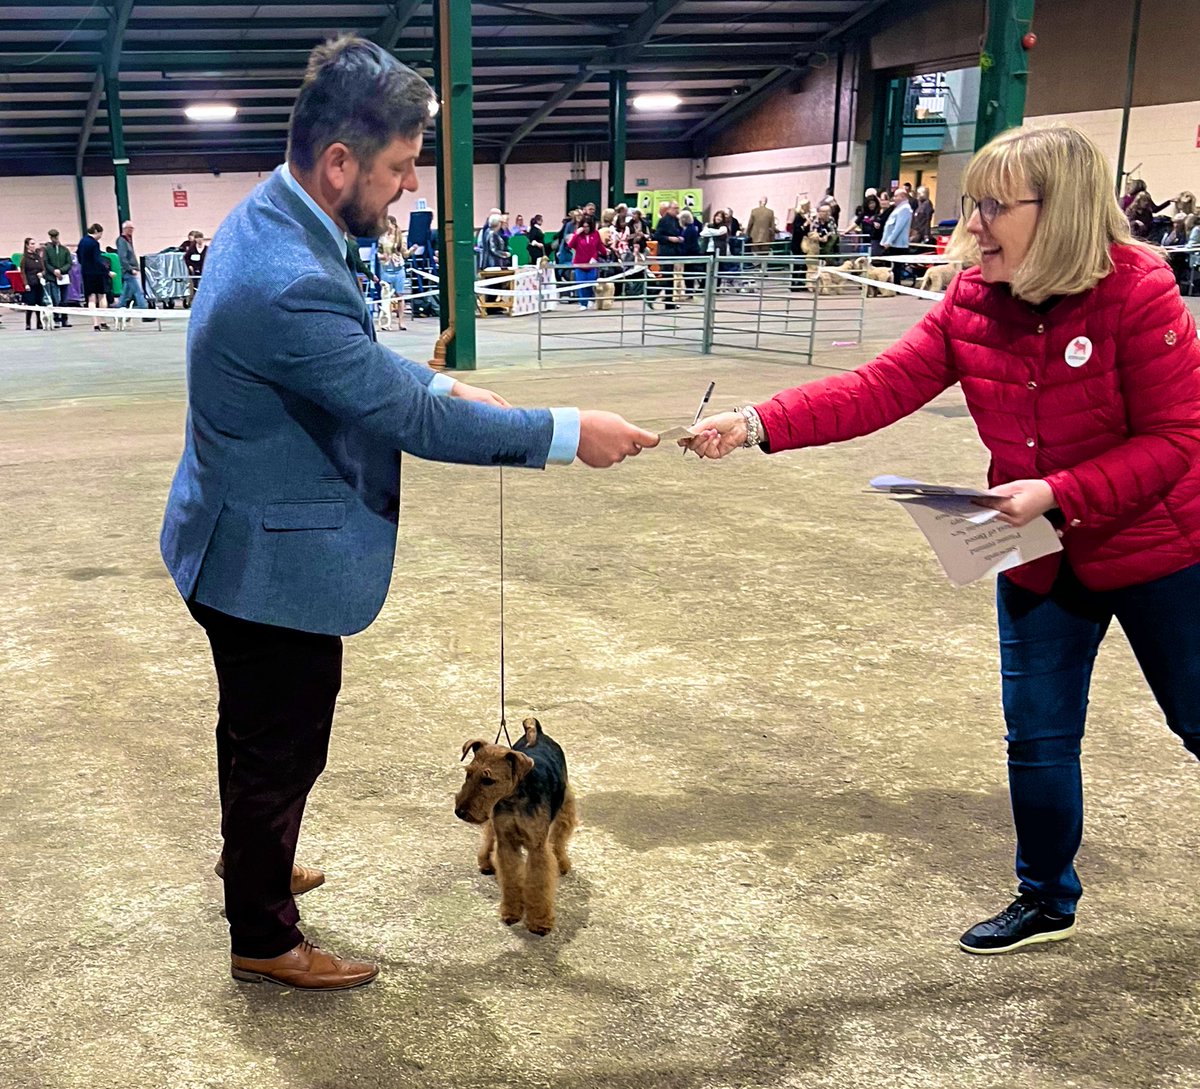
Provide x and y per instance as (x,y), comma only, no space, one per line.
(33,268)
(97,273)
(669,235)
(693,274)
(922,224)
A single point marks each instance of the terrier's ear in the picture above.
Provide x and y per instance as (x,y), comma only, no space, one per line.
(471,747)
(521,763)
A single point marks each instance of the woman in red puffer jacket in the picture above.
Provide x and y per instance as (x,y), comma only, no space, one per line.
(1079,362)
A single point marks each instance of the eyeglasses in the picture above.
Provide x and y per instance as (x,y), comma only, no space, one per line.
(989,207)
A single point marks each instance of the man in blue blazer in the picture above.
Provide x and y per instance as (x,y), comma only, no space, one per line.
(280,529)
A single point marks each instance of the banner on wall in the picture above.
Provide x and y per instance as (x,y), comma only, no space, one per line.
(664,196)
(645,203)
(693,201)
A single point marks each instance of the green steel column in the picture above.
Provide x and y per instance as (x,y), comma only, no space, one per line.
(1133,49)
(116,136)
(617,87)
(887,131)
(81,203)
(455,163)
(1004,69)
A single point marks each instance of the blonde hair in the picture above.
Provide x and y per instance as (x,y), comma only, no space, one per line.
(1080,217)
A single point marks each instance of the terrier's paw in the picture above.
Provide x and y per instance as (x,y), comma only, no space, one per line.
(509,919)
(539,926)
(485,866)
(564,865)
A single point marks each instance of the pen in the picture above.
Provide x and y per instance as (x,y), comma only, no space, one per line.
(700,411)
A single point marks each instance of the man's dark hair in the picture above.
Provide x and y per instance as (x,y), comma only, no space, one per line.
(95,228)
(357,94)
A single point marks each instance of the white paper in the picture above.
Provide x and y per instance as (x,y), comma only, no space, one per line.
(901,485)
(972,543)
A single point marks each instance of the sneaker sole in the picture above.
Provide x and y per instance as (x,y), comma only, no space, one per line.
(1036,939)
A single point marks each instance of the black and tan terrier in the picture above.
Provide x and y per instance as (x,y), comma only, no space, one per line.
(522,798)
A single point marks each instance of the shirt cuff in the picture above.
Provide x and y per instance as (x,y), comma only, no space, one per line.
(564,444)
(441,385)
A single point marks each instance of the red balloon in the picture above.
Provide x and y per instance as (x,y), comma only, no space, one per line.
(1029,41)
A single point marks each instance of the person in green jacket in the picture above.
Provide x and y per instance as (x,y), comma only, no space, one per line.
(58,268)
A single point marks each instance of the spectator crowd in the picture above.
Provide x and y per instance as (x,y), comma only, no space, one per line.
(49,274)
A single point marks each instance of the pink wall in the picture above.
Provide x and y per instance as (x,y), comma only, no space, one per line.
(740,180)
(33,205)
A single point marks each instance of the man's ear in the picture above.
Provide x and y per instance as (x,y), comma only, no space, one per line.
(471,747)
(521,763)
(338,165)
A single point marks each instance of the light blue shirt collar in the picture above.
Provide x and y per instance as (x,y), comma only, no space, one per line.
(338,235)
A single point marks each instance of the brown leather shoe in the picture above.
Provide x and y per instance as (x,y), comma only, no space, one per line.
(304,878)
(306,968)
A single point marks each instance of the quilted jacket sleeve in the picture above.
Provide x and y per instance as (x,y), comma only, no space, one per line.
(1158,360)
(911,373)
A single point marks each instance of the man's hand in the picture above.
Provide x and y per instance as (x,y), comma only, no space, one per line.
(606,438)
(1020,502)
(717,435)
(475,393)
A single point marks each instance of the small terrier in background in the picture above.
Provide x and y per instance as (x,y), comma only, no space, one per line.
(524,801)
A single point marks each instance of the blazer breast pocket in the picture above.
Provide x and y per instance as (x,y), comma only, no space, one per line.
(295,514)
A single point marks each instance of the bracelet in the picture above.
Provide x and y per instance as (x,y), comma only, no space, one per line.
(754,427)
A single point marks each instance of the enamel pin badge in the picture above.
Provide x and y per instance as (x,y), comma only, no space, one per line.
(1078,352)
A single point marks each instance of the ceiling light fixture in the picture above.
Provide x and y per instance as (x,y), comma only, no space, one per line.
(657,102)
(211,112)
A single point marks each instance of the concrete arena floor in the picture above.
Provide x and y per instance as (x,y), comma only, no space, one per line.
(782,722)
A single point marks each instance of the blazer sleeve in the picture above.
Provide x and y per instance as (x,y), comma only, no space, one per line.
(1158,361)
(908,375)
(326,356)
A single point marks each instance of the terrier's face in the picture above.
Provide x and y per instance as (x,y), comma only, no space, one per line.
(493,775)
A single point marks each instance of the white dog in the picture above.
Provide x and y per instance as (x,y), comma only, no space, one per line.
(938,277)
(391,309)
(876,273)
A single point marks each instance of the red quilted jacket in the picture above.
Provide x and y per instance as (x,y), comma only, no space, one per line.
(1099,395)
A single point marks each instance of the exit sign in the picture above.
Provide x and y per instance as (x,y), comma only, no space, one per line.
(643,181)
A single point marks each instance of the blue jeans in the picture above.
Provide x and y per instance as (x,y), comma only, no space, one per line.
(131,289)
(1048,645)
(585,275)
(58,295)
(396,277)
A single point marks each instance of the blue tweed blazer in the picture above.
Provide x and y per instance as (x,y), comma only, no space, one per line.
(285,504)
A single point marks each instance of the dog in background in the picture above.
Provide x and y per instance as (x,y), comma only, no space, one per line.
(861,266)
(938,277)
(605,290)
(523,799)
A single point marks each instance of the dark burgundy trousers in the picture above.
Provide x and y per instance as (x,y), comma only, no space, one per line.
(278,688)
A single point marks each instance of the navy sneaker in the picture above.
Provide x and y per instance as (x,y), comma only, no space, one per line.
(1024,922)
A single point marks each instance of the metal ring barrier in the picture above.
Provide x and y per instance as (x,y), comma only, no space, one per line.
(772,302)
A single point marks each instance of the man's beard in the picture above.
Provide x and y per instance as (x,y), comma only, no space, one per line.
(360,221)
